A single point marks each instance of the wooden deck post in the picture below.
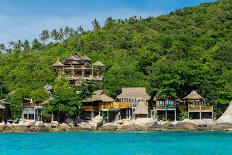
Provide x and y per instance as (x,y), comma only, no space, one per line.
(175,114)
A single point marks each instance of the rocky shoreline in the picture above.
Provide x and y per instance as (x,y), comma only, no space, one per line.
(147,124)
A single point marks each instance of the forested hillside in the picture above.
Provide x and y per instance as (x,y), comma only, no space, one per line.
(171,55)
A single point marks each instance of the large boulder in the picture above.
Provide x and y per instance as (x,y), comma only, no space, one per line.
(9,128)
(40,127)
(21,128)
(64,127)
(2,127)
(69,121)
(168,125)
(84,127)
(144,121)
(54,124)
(186,126)
(109,127)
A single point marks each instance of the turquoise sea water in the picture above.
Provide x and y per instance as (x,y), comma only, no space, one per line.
(117,143)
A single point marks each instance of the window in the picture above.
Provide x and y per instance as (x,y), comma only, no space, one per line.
(31,116)
(25,116)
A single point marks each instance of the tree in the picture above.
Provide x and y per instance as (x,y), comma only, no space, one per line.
(16,100)
(55,35)
(109,22)
(80,30)
(44,36)
(36,44)
(3,89)
(65,102)
(26,45)
(2,48)
(96,24)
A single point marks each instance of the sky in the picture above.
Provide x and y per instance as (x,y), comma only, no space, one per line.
(25,19)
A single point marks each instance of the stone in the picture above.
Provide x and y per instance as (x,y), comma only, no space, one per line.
(9,128)
(109,127)
(54,124)
(84,127)
(144,121)
(21,128)
(69,121)
(39,128)
(167,125)
(64,127)
(2,127)
(186,126)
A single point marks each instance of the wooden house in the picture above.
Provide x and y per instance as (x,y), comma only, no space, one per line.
(133,96)
(197,107)
(164,109)
(31,110)
(77,68)
(101,104)
(4,110)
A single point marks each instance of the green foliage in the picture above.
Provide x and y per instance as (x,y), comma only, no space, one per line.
(65,100)
(3,89)
(16,103)
(183,115)
(171,55)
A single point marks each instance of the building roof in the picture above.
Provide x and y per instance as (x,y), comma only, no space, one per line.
(141,109)
(98,64)
(99,95)
(137,92)
(85,58)
(58,64)
(194,96)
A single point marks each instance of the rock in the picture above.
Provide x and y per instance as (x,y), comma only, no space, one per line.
(64,127)
(2,127)
(39,128)
(145,121)
(127,127)
(98,120)
(221,126)
(84,127)
(69,121)
(21,128)
(186,126)
(27,123)
(9,128)
(54,124)
(109,127)
(167,125)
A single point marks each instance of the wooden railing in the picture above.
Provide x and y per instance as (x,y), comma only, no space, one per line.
(115,105)
(89,108)
(163,107)
(200,108)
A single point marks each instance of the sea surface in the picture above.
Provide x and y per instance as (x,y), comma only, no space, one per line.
(116,143)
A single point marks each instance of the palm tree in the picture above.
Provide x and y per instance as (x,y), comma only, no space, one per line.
(67,32)
(80,30)
(26,45)
(96,24)
(55,35)
(2,48)
(44,36)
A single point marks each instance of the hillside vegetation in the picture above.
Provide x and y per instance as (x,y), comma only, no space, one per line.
(170,55)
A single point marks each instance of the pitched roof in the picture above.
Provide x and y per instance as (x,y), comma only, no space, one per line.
(194,96)
(99,95)
(58,64)
(85,58)
(141,109)
(98,64)
(137,92)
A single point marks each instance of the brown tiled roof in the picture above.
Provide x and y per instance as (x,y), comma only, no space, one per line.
(137,92)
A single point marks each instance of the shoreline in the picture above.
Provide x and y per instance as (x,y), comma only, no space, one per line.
(112,127)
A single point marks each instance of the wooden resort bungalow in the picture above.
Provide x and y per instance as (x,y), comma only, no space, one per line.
(101,104)
(31,110)
(77,68)
(134,96)
(197,107)
(164,109)
(4,110)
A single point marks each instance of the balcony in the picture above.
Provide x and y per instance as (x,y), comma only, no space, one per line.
(200,108)
(114,105)
(165,107)
(89,108)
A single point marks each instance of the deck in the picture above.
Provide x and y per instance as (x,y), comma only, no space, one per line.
(200,108)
